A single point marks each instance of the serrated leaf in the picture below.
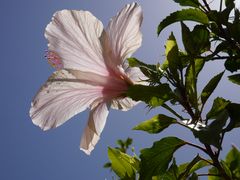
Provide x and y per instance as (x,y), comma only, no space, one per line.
(188,168)
(174,62)
(219,105)
(200,35)
(171,173)
(215,174)
(183,15)
(155,160)
(156,124)
(211,134)
(226,169)
(151,95)
(210,87)
(225,14)
(148,70)
(221,47)
(193,3)
(122,164)
(232,64)
(235,78)
(197,41)
(193,177)
(200,164)
(187,39)
(234,114)
(233,161)
(190,79)
(229,3)
(218,176)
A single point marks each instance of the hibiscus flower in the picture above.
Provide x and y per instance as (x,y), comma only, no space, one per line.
(91,69)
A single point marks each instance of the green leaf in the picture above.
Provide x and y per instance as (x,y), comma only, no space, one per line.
(232,64)
(148,70)
(218,106)
(221,47)
(123,165)
(200,35)
(189,168)
(187,39)
(174,63)
(191,79)
(171,173)
(193,3)
(233,161)
(226,169)
(183,15)
(234,28)
(234,114)
(194,176)
(124,145)
(211,134)
(214,171)
(151,95)
(199,63)
(107,165)
(235,78)
(210,87)
(197,41)
(155,160)
(225,14)
(156,124)
(198,165)
(229,3)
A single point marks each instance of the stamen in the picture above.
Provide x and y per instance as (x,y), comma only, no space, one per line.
(54,60)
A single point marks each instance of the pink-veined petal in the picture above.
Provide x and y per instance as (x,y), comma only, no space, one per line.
(74,37)
(60,98)
(113,86)
(123,36)
(95,125)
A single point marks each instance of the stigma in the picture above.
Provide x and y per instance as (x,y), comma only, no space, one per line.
(54,60)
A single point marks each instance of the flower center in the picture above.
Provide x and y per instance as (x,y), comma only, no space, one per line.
(54,60)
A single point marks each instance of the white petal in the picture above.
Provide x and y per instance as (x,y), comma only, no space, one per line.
(74,37)
(95,125)
(62,97)
(123,104)
(136,75)
(123,34)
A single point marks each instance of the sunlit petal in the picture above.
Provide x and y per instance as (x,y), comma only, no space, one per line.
(60,98)
(74,37)
(123,34)
(95,125)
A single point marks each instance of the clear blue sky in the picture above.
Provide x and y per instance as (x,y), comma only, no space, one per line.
(28,153)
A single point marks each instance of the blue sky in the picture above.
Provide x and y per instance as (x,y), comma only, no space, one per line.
(28,153)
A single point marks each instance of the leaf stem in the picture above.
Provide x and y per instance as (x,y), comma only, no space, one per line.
(221,141)
(218,175)
(198,147)
(172,111)
(220,9)
(206,5)
(206,160)
(216,163)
